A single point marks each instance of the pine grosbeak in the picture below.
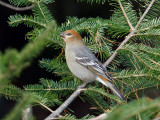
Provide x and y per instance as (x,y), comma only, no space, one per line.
(83,63)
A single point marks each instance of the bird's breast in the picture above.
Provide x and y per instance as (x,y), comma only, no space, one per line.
(77,69)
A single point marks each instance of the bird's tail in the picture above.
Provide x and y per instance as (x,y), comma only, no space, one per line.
(107,83)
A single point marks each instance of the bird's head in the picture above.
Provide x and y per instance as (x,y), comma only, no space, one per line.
(71,36)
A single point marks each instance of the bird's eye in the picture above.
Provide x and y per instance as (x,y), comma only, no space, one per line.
(68,34)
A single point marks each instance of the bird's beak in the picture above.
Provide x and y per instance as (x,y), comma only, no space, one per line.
(62,35)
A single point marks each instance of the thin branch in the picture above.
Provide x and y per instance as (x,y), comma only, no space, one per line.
(130,34)
(125,15)
(121,45)
(100,117)
(45,106)
(146,34)
(49,89)
(67,102)
(42,12)
(145,29)
(27,19)
(140,75)
(144,14)
(153,61)
(16,8)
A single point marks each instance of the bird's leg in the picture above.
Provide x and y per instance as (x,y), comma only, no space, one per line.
(84,85)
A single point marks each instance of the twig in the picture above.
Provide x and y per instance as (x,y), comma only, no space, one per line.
(16,8)
(60,54)
(130,34)
(45,106)
(121,45)
(144,14)
(67,102)
(42,12)
(100,117)
(125,15)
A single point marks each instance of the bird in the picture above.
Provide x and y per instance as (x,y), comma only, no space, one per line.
(83,63)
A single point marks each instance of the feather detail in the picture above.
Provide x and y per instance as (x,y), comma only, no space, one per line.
(108,84)
(90,64)
(89,61)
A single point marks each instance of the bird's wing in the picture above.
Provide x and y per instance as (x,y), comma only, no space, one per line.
(89,61)
(90,64)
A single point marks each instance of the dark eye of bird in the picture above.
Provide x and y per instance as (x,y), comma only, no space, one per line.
(69,34)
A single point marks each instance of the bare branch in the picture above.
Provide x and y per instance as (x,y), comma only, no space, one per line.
(144,14)
(56,113)
(125,15)
(100,117)
(16,8)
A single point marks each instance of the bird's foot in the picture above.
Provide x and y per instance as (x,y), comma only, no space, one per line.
(84,85)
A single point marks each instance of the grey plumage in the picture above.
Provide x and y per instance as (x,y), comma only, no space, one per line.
(83,63)
(86,58)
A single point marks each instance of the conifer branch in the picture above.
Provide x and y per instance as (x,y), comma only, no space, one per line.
(42,12)
(144,14)
(130,34)
(45,106)
(146,34)
(79,89)
(133,32)
(121,45)
(100,117)
(16,8)
(125,15)
(67,102)
(134,75)
(141,30)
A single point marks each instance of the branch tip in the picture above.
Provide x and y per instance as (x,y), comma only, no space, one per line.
(16,8)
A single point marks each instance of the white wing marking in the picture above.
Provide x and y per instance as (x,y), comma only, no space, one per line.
(86,61)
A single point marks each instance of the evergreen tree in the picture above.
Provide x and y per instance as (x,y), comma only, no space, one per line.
(135,65)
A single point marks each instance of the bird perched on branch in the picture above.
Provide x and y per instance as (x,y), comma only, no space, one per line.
(83,63)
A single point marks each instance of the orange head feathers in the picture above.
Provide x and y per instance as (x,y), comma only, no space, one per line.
(70,36)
